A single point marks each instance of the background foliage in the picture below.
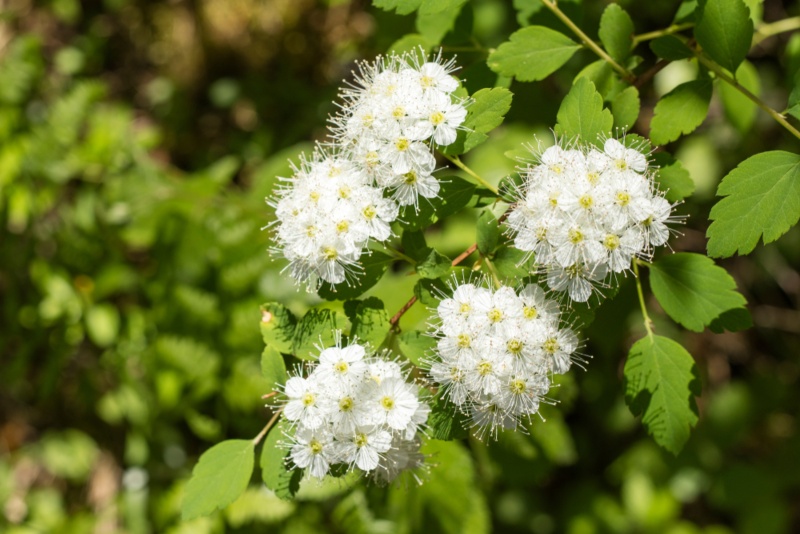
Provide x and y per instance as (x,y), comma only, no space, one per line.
(137,143)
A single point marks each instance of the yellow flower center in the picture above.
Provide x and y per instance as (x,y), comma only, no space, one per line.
(398,112)
(426,82)
(484,368)
(315,446)
(311,231)
(342,226)
(529,312)
(329,253)
(410,177)
(623,198)
(593,177)
(360,440)
(314,195)
(495,315)
(344,191)
(611,242)
(387,403)
(556,168)
(517,386)
(586,201)
(465,308)
(621,164)
(648,221)
(341,367)
(369,212)
(401,144)
(514,346)
(575,236)
(309,399)
(334,171)
(464,341)
(551,345)
(346,404)
(437,118)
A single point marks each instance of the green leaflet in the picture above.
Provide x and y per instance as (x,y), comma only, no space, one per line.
(672,178)
(532,53)
(680,111)
(435,26)
(370,322)
(411,43)
(762,200)
(273,368)
(220,476)
(487,232)
(402,7)
(582,113)
(486,113)
(277,326)
(316,326)
(274,460)
(625,108)
(692,290)
(445,422)
(435,265)
(724,30)
(616,32)
(373,266)
(455,193)
(671,48)
(740,110)
(661,383)
(416,345)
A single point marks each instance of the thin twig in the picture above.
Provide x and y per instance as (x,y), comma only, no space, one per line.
(455,160)
(675,28)
(260,436)
(648,323)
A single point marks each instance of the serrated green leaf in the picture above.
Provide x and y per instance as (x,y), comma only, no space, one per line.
(435,25)
(724,30)
(411,43)
(454,194)
(403,7)
(370,322)
(661,383)
(672,178)
(316,326)
(429,291)
(414,246)
(740,110)
(762,200)
(373,266)
(435,265)
(616,32)
(273,368)
(488,232)
(511,263)
(445,422)
(277,326)
(274,462)
(734,320)
(582,113)
(532,53)
(625,108)
(486,113)
(671,48)
(416,345)
(220,476)
(692,290)
(680,111)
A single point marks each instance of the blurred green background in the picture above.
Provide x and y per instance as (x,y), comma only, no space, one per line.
(138,141)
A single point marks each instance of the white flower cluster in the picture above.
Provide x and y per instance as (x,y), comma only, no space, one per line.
(497,350)
(584,213)
(381,158)
(357,411)
(392,116)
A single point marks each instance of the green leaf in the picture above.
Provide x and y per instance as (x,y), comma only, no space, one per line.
(532,53)
(434,266)
(316,326)
(672,178)
(435,25)
(373,266)
(484,114)
(511,263)
(488,232)
(220,476)
(445,422)
(625,108)
(411,43)
(273,368)
(661,383)
(733,320)
(762,199)
(416,346)
(274,462)
(616,32)
(582,113)
(455,193)
(102,324)
(429,291)
(724,30)
(671,48)
(403,7)
(692,290)
(680,111)
(413,242)
(277,326)
(740,110)
(371,322)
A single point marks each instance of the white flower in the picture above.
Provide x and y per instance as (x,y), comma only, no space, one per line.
(304,402)
(363,447)
(313,450)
